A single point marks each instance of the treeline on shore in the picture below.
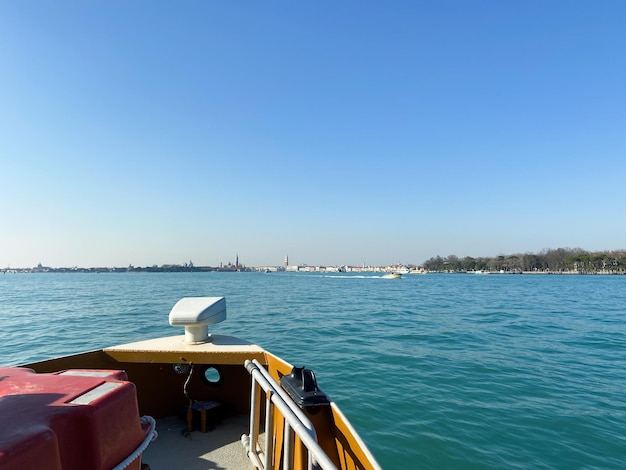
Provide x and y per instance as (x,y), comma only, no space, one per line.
(550,260)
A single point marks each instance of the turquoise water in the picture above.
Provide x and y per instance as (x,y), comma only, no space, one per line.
(435,371)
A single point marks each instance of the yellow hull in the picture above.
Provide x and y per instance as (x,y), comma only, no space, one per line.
(164,379)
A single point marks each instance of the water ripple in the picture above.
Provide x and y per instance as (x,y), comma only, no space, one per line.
(437,371)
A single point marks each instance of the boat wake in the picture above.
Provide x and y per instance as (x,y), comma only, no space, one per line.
(353,277)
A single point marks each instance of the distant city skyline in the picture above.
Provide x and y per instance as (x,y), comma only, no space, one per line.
(286,263)
(340,133)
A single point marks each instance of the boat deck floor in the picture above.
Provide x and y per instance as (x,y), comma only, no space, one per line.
(218,449)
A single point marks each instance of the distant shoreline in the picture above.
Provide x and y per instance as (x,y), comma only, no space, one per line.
(360,270)
(568,261)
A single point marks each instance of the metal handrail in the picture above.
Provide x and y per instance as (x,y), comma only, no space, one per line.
(296,423)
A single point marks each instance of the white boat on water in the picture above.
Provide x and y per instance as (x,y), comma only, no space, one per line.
(206,401)
(392,276)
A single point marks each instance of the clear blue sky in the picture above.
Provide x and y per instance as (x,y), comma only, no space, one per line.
(151,132)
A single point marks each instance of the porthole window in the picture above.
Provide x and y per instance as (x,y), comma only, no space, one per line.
(211,375)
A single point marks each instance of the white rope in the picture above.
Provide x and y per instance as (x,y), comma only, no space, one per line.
(151,436)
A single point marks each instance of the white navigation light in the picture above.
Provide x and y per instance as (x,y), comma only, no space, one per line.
(196,314)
